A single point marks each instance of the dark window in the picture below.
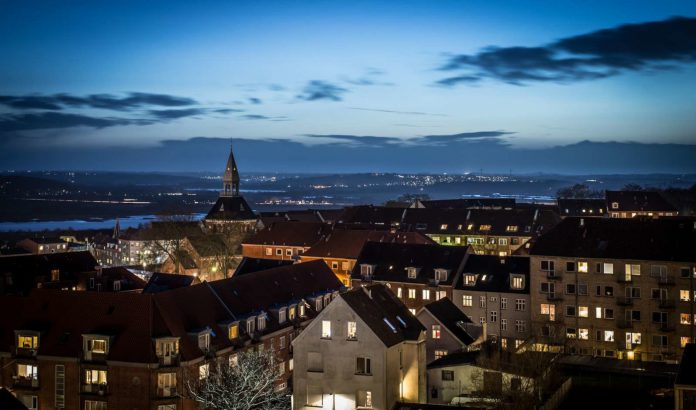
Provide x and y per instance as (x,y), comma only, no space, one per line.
(608,291)
(570,288)
(570,266)
(447,375)
(635,315)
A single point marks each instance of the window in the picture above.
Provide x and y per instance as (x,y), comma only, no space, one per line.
(583,311)
(570,289)
(570,266)
(326,329)
(469,280)
(658,270)
(609,313)
(412,311)
(582,289)
(203,371)
(632,339)
(547,266)
(684,318)
(440,354)
(520,326)
(426,294)
(59,401)
(443,227)
(684,295)
(447,375)
(482,301)
(345,266)
(503,324)
(632,269)
(484,227)
(517,281)
(571,333)
(511,228)
(95,405)
(288,252)
(352,331)
(520,305)
(262,322)
(281,369)
(608,268)
(204,341)
(28,371)
(364,399)
(233,332)
(314,396)
(684,272)
(467,300)
(412,272)
(166,381)
(684,340)
(440,294)
(363,365)
(583,334)
(94,376)
(570,311)
(659,317)
(441,275)
(269,251)
(582,267)
(436,331)
(411,293)
(503,303)
(494,316)
(291,313)
(234,360)
(366,270)
(502,241)
(282,314)
(28,342)
(279,252)
(659,340)
(334,265)
(633,293)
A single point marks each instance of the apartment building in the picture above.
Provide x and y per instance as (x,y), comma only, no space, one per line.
(43,245)
(19,274)
(284,240)
(494,291)
(629,204)
(365,350)
(615,287)
(417,274)
(87,350)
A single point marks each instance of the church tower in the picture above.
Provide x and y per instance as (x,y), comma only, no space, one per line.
(230,181)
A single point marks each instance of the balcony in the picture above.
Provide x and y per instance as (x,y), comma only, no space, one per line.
(167,361)
(624,301)
(553,275)
(90,356)
(667,304)
(666,281)
(98,389)
(25,352)
(624,324)
(666,327)
(624,279)
(554,296)
(165,392)
(21,382)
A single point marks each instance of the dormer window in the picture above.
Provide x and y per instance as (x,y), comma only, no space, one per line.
(97,345)
(282,313)
(470,227)
(516,282)
(317,304)
(250,325)
(511,228)
(441,275)
(261,319)
(27,341)
(327,299)
(233,332)
(204,341)
(614,205)
(291,313)
(470,279)
(55,275)
(412,272)
(301,310)
(366,270)
(484,227)
(167,347)
(443,227)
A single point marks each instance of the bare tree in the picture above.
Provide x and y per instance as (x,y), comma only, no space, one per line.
(249,384)
(167,235)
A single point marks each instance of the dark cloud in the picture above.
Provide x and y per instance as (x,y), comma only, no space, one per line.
(321,90)
(51,120)
(372,76)
(605,53)
(174,113)
(427,140)
(227,110)
(254,100)
(101,101)
(262,117)
(397,112)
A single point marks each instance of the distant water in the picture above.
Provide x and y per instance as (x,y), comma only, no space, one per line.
(127,222)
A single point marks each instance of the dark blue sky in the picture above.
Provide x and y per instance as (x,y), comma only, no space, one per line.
(113,80)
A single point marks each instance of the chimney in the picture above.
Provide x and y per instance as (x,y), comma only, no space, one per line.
(582,221)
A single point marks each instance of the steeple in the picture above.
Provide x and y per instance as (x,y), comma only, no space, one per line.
(230,181)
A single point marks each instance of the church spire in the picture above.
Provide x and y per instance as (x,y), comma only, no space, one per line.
(230,181)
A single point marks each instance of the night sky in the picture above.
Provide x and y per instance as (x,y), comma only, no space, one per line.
(456,86)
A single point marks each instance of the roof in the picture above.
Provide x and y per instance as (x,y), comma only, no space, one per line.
(525,221)
(290,233)
(347,243)
(9,402)
(46,240)
(372,215)
(390,260)
(160,282)
(250,265)
(664,239)
(629,201)
(493,273)
(28,270)
(582,207)
(455,359)
(450,316)
(384,314)
(687,367)
(128,280)
(465,203)
(230,208)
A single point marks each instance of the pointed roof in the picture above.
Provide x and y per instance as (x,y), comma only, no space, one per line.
(231,172)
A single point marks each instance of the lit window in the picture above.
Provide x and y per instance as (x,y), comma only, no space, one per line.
(443,227)
(97,346)
(203,371)
(426,294)
(517,281)
(326,329)
(484,227)
(582,267)
(204,341)
(234,360)
(440,354)
(608,268)
(412,311)
(608,335)
(511,228)
(583,311)
(436,331)
(93,376)
(583,334)
(28,371)
(467,300)
(632,269)
(28,342)
(269,251)
(364,399)
(411,293)
(234,331)
(399,293)
(352,331)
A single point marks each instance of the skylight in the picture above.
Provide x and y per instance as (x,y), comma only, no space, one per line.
(392,327)
(401,321)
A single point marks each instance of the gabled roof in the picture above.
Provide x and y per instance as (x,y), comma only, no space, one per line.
(629,201)
(493,273)
(9,402)
(687,367)
(450,316)
(391,260)
(128,280)
(250,265)
(384,314)
(455,359)
(161,282)
(231,208)
(347,243)
(290,233)
(525,221)
(664,239)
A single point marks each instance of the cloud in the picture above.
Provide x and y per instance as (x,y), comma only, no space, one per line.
(604,53)
(227,110)
(254,100)
(372,76)
(174,113)
(49,120)
(102,101)
(427,140)
(397,112)
(262,117)
(321,90)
